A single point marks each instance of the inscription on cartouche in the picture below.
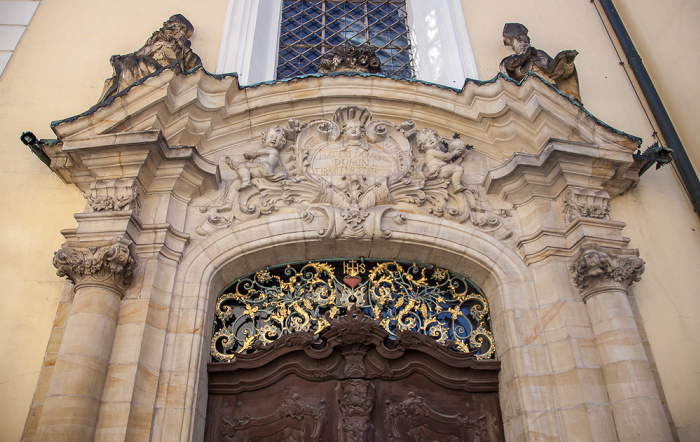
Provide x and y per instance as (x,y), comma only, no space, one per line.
(352,161)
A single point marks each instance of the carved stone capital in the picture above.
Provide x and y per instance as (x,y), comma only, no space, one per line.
(596,270)
(111,264)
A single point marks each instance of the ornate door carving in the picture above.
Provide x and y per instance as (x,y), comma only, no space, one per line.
(355,385)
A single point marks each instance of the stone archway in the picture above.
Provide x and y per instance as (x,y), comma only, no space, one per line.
(226,256)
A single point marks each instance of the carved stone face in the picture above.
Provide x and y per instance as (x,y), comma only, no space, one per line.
(274,138)
(352,130)
(427,140)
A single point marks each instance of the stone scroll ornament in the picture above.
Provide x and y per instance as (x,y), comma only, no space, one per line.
(560,70)
(351,176)
(169,44)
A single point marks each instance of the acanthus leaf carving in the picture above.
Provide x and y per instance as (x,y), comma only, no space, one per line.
(599,269)
(113,262)
(354,174)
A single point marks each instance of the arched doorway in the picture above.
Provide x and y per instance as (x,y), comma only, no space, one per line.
(353,350)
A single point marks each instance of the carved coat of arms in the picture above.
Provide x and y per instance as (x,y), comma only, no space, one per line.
(355,174)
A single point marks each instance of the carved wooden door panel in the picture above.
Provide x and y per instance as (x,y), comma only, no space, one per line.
(354,385)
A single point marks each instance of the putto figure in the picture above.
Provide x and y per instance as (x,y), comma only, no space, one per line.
(168,44)
(559,70)
(265,160)
(439,164)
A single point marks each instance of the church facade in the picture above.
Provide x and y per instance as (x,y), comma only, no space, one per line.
(287,239)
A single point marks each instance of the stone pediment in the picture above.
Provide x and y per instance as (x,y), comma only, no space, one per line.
(354,155)
(213,113)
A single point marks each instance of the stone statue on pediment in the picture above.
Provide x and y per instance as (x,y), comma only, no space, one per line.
(559,70)
(167,45)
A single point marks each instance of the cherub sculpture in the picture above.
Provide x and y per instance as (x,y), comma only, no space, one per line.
(264,161)
(559,70)
(168,44)
(439,164)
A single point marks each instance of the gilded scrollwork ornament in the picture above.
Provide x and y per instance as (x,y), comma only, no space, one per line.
(110,263)
(324,297)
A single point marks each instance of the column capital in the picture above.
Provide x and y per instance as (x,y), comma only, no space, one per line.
(596,269)
(110,263)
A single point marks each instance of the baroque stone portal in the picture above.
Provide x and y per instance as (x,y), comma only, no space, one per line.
(353,174)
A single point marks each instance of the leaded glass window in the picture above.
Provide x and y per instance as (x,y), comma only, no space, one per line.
(312,27)
(259,308)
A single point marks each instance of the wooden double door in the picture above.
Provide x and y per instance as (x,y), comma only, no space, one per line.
(354,385)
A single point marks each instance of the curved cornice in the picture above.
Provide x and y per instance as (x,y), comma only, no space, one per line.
(212,112)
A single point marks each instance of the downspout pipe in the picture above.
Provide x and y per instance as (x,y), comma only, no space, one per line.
(685,167)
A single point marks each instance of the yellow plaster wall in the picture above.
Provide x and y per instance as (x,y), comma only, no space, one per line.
(665,36)
(58,71)
(660,219)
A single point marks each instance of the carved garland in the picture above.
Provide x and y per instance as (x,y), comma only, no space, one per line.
(260,308)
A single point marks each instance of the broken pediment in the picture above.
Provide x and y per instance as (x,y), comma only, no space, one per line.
(354,155)
(499,117)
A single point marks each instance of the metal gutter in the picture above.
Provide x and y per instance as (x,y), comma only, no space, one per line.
(668,131)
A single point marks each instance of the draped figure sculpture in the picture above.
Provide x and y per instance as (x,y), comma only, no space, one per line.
(559,70)
(167,45)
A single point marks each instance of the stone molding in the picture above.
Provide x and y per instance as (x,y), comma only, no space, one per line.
(596,269)
(225,104)
(111,264)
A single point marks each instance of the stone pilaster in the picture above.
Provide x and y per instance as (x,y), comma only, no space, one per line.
(101,273)
(603,277)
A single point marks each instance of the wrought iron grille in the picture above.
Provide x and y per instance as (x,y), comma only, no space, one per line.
(259,308)
(312,27)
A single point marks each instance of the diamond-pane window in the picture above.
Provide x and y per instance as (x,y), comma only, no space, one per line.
(310,28)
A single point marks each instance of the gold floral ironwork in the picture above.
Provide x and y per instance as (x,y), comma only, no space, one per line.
(259,308)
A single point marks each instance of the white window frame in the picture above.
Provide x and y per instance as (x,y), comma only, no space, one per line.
(440,42)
